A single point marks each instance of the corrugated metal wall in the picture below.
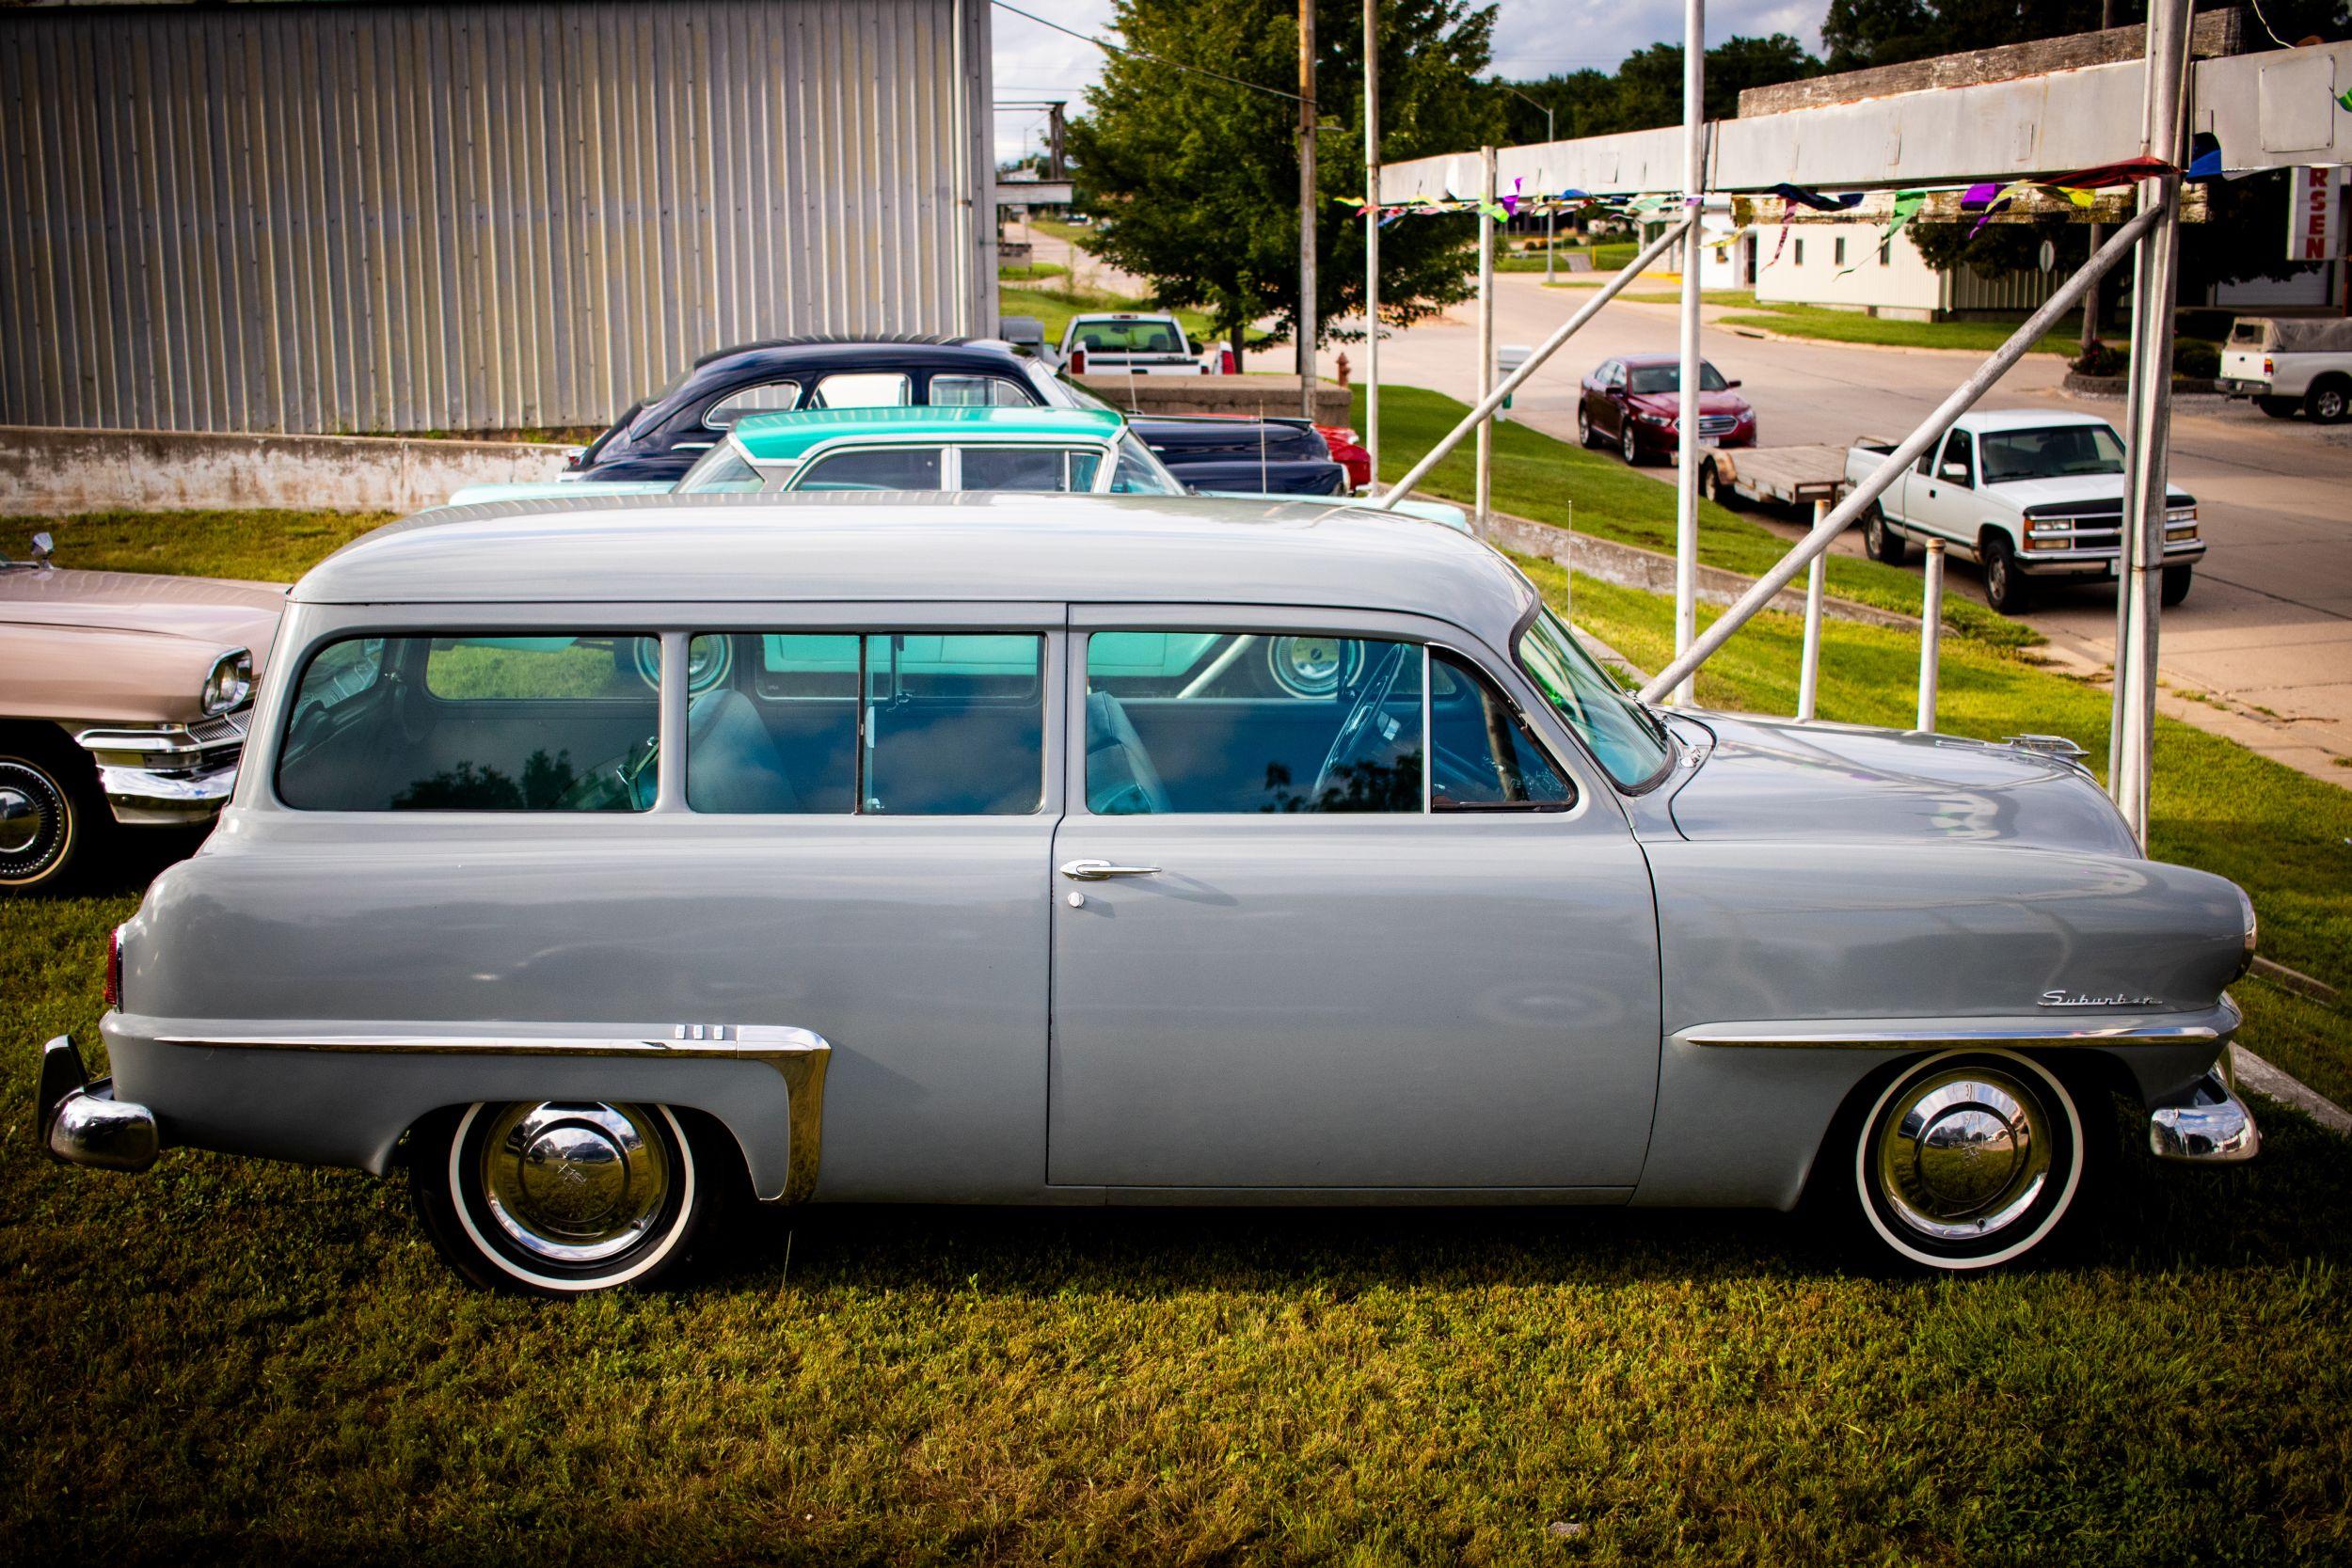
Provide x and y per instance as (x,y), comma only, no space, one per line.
(343,218)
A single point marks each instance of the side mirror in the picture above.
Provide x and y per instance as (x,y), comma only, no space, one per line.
(1956,472)
(42,548)
(1614,391)
(1733,381)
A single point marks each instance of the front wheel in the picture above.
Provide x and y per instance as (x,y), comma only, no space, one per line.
(1583,426)
(1627,447)
(558,1198)
(53,819)
(2005,587)
(1967,1160)
(2176,581)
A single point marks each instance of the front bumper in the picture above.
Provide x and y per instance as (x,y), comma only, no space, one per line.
(2100,562)
(168,775)
(82,1123)
(2208,1126)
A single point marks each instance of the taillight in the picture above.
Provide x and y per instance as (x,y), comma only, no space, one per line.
(1226,365)
(1077,361)
(2268,370)
(114,967)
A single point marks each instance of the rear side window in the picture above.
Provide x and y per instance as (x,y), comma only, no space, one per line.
(1038,468)
(874,468)
(977,391)
(902,723)
(475,723)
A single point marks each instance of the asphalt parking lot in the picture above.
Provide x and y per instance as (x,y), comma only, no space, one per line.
(2268,627)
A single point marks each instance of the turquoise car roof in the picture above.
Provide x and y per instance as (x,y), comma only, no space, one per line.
(787,437)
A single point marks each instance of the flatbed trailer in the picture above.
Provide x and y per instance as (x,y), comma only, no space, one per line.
(1790,476)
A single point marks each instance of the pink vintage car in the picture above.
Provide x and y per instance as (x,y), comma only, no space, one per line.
(123,704)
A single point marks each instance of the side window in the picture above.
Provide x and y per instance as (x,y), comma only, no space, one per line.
(1955,450)
(1027,468)
(1248,722)
(862,389)
(874,468)
(476,722)
(908,724)
(977,391)
(768,397)
(1482,755)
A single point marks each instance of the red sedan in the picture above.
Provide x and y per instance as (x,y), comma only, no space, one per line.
(1634,404)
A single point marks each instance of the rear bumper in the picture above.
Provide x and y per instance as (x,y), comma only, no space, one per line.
(80,1122)
(2207,1126)
(167,775)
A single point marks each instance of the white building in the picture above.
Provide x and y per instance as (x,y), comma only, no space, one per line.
(1846,265)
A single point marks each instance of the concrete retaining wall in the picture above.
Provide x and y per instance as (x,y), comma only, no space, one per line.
(52,471)
(1251,395)
(1631,566)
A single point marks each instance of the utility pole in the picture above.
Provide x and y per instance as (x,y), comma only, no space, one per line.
(1482,517)
(1307,319)
(1372,238)
(1549,218)
(2090,300)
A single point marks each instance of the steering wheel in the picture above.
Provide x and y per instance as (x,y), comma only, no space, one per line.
(1373,695)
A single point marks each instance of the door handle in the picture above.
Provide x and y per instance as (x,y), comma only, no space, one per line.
(1103,871)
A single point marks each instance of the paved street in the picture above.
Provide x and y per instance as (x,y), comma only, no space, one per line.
(2268,627)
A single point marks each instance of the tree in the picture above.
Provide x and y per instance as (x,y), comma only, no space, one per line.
(1646,89)
(1199,177)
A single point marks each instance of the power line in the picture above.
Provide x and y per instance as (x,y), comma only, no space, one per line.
(1155,59)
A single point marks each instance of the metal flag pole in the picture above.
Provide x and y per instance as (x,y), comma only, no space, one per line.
(1687,423)
(1481,516)
(2139,582)
(1372,239)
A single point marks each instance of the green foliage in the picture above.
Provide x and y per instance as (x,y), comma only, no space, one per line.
(1200,176)
(1645,90)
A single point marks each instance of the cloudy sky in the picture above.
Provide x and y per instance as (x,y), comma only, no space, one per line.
(1533,38)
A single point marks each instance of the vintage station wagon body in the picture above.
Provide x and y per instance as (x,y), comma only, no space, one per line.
(1000,869)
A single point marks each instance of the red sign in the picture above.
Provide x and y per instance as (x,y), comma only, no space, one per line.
(2315,215)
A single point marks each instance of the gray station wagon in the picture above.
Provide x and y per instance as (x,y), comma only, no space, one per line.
(601,860)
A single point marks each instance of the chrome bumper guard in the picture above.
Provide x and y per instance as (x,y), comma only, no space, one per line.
(82,1123)
(170,774)
(2211,1127)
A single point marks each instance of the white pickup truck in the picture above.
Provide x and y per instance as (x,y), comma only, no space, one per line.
(2028,494)
(2286,362)
(1133,342)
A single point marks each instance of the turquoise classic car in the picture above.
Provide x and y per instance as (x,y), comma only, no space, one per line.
(1085,451)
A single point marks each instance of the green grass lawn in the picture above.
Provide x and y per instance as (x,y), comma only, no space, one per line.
(231,1358)
(1556,481)
(271,546)
(1853,326)
(1606,257)
(1026,272)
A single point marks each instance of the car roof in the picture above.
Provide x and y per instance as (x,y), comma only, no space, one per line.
(843,341)
(2025,419)
(1648,360)
(783,438)
(973,545)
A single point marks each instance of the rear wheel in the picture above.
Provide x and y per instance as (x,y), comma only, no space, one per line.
(2279,408)
(2176,581)
(2328,399)
(558,1198)
(1966,1160)
(1882,542)
(2005,587)
(52,818)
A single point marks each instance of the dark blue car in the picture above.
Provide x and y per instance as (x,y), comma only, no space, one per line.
(661,436)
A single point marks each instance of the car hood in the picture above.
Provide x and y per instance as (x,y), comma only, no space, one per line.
(211,611)
(1763,778)
(1670,404)
(2079,488)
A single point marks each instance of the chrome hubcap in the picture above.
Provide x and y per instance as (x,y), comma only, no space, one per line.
(1964,1155)
(574,1183)
(20,820)
(33,822)
(1309,666)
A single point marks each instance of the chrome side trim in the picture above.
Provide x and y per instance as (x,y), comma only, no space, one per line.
(1881,1034)
(800,1056)
(2213,1128)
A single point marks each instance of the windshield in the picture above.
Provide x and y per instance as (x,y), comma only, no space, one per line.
(2061,452)
(1668,378)
(1064,395)
(1620,733)
(722,471)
